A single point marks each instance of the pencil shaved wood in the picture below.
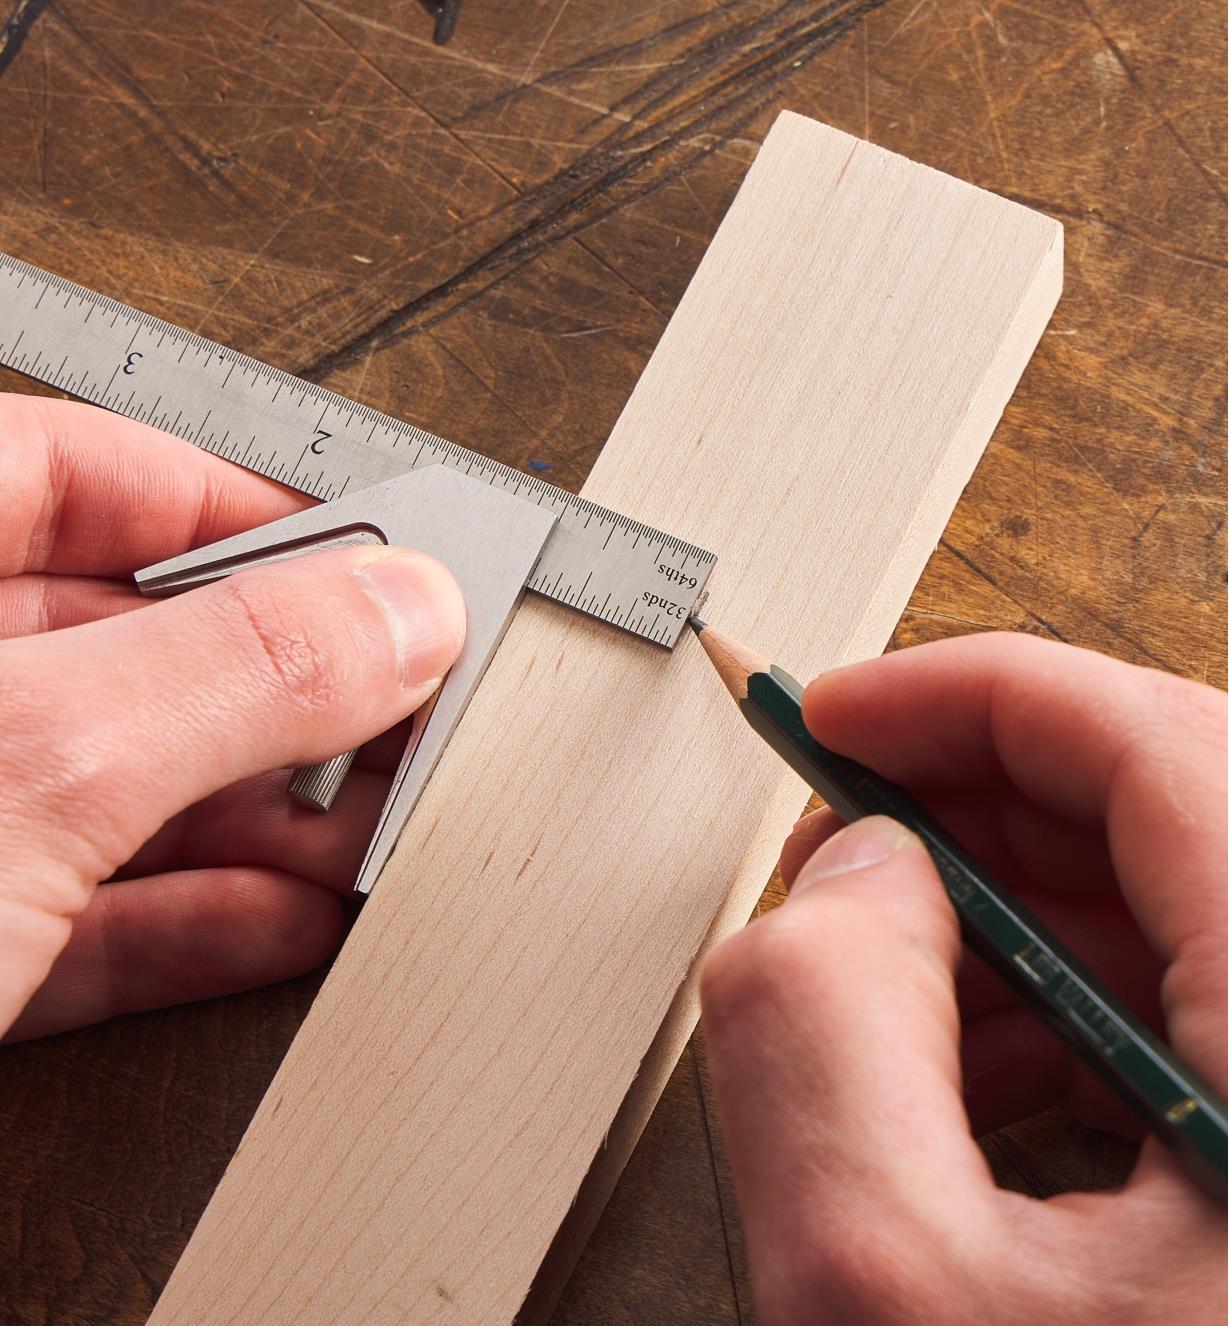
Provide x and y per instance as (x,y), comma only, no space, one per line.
(602,816)
(732,661)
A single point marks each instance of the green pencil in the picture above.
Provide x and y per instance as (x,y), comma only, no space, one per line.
(1182,1110)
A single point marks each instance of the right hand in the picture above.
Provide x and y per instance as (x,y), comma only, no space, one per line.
(853,1067)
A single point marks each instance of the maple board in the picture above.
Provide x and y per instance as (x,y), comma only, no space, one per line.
(602,814)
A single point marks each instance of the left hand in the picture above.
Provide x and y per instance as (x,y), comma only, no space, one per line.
(136,734)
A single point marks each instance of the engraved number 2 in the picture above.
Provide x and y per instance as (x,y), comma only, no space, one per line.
(317,447)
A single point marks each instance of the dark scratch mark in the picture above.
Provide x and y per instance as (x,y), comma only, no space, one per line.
(1034,1183)
(391,82)
(1114,628)
(579,196)
(1092,217)
(1216,425)
(93,1206)
(595,161)
(1133,78)
(1137,537)
(797,41)
(485,385)
(706,55)
(712,1160)
(622,53)
(511,253)
(990,580)
(14,33)
(623,278)
(202,167)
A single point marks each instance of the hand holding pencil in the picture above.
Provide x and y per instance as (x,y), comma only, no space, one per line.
(1095,792)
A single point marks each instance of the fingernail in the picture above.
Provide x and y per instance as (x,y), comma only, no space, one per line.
(859,845)
(805,835)
(811,825)
(424,609)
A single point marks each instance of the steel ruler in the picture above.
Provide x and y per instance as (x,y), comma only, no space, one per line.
(307,437)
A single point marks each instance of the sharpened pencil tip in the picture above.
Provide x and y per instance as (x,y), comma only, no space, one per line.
(696,624)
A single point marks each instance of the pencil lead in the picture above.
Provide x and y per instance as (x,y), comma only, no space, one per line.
(696,624)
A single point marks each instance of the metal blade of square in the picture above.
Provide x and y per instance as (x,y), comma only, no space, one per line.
(598,561)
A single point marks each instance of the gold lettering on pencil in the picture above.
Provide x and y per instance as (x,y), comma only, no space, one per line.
(1038,963)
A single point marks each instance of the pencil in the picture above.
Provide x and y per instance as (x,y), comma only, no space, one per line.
(1182,1110)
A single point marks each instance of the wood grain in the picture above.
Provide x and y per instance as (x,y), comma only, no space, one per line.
(532,201)
(813,411)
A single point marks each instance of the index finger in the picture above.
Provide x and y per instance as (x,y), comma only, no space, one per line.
(89,492)
(1086,736)
(1069,728)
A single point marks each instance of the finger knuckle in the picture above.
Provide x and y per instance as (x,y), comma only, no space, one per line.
(752,968)
(64,782)
(847,1270)
(877,1274)
(1178,725)
(1180,703)
(284,651)
(856,1270)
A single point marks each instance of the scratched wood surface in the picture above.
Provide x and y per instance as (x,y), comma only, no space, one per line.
(488,237)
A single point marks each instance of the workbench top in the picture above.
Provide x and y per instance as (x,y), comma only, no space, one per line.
(487,238)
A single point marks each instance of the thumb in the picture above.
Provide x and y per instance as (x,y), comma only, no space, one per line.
(834,1035)
(113,727)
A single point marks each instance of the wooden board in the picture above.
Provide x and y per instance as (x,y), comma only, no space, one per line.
(812,412)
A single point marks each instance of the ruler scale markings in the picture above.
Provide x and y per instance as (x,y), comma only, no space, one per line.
(597,549)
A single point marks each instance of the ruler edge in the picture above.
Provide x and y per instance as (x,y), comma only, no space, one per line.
(329,398)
